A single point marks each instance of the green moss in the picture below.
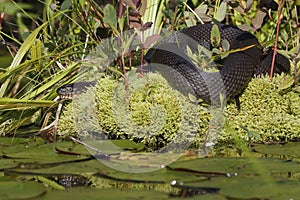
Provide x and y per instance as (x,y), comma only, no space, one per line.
(151,112)
(155,114)
(104,95)
(66,124)
(267,112)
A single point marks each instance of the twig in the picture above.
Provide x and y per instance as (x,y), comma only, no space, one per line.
(85,46)
(53,126)
(276,39)
(88,146)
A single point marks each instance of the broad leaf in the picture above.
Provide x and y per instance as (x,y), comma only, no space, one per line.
(221,13)
(110,16)
(287,83)
(215,36)
(258,20)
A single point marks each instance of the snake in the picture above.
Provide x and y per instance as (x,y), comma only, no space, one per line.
(171,59)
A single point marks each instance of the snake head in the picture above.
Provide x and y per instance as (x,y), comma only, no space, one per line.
(69,91)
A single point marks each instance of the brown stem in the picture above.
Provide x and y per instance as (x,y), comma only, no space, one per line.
(120,13)
(276,39)
(125,79)
(142,57)
(296,16)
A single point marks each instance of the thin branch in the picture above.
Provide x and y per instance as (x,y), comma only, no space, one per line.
(276,39)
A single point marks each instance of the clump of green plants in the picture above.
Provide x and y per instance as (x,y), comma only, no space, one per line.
(155,114)
(150,112)
(267,113)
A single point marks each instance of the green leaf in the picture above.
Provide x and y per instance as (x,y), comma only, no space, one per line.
(189,19)
(21,53)
(225,45)
(11,9)
(26,46)
(206,52)
(151,40)
(51,82)
(36,54)
(294,51)
(7,103)
(216,51)
(248,5)
(189,52)
(21,190)
(224,55)
(106,193)
(53,184)
(192,98)
(246,27)
(287,83)
(297,89)
(127,43)
(284,53)
(259,18)
(202,8)
(221,12)
(66,5)
(298,73)
(251,134)
(110,17)
(215,36)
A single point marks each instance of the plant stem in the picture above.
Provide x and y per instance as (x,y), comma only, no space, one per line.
(276,39)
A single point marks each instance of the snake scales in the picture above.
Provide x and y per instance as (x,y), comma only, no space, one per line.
(170,58)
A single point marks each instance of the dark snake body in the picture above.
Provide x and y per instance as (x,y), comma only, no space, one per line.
(237,70)
(170,59)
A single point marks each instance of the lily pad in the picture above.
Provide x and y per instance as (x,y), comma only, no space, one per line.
(21,190)
(83,193)
(289,150)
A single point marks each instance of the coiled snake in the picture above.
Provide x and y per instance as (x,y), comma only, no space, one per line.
(170,58)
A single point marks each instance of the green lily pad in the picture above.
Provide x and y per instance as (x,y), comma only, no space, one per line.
(21,190)
(81,193)
(238,165)
(251,188)
(291,149)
